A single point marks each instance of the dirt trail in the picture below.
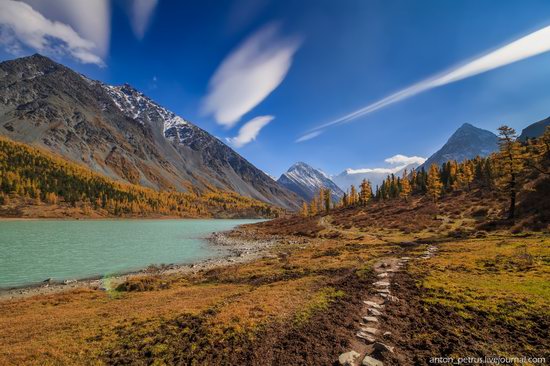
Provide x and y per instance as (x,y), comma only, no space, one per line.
(371,345)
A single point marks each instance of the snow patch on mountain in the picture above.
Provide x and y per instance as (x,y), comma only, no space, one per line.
(138,106)
(307,181)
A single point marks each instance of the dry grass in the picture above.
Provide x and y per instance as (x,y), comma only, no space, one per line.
(77,326)
(506,277)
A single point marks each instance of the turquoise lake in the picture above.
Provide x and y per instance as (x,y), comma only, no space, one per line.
(32,251)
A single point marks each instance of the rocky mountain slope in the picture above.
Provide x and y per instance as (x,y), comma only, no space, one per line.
(307,181)
(534,130)
(466,143)
(119,132)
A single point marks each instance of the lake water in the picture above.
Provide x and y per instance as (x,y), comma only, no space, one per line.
(32,251)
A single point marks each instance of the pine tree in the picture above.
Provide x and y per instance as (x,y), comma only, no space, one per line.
(510,164)
(434,185)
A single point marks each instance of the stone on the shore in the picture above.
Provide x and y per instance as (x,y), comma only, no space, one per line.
(370,319)
(373,304)
(348,358)
(381,347)
(369,361)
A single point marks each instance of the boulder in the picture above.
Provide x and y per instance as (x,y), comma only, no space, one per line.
(348,358)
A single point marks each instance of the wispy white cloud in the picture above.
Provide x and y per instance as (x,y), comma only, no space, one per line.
(249,131)
(400,162)
(23,25)
(141,12)
(528,46)
(402,159)
(309,136)
(91,19)
(249,74)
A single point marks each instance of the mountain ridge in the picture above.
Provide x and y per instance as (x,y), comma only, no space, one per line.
(466,142)
(120,132)
(534,130)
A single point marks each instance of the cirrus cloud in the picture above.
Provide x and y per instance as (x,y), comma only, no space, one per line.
(528,46)
(249,131)
(249,74)
(20,24)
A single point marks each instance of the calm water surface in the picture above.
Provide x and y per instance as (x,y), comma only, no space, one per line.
(32,251)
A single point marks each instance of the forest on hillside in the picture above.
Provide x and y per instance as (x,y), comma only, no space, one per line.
(29,176)
(519,173)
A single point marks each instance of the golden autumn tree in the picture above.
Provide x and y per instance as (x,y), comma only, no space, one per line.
(326,198)
(467,174)
(434,183)
(313,206)
(405,186)
(365,193)
(352,195)
(304,211)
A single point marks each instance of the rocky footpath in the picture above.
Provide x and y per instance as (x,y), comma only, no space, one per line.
(371,344)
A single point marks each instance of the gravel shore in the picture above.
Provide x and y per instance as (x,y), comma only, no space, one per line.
(237,249)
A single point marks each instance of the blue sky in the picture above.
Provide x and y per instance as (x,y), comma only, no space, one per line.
(290,66)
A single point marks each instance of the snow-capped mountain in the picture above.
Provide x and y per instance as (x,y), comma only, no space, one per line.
(307,181)
(375,176)
(466,143)
(120,132)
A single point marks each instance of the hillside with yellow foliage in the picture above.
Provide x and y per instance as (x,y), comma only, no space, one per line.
(34,183)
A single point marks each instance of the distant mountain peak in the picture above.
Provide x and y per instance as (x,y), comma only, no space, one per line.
(307,181)
(467,142)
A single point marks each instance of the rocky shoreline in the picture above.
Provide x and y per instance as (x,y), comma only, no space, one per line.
(239,248)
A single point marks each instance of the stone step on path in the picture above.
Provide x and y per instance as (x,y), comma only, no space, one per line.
(373,304)
(368,332)
(349,358)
